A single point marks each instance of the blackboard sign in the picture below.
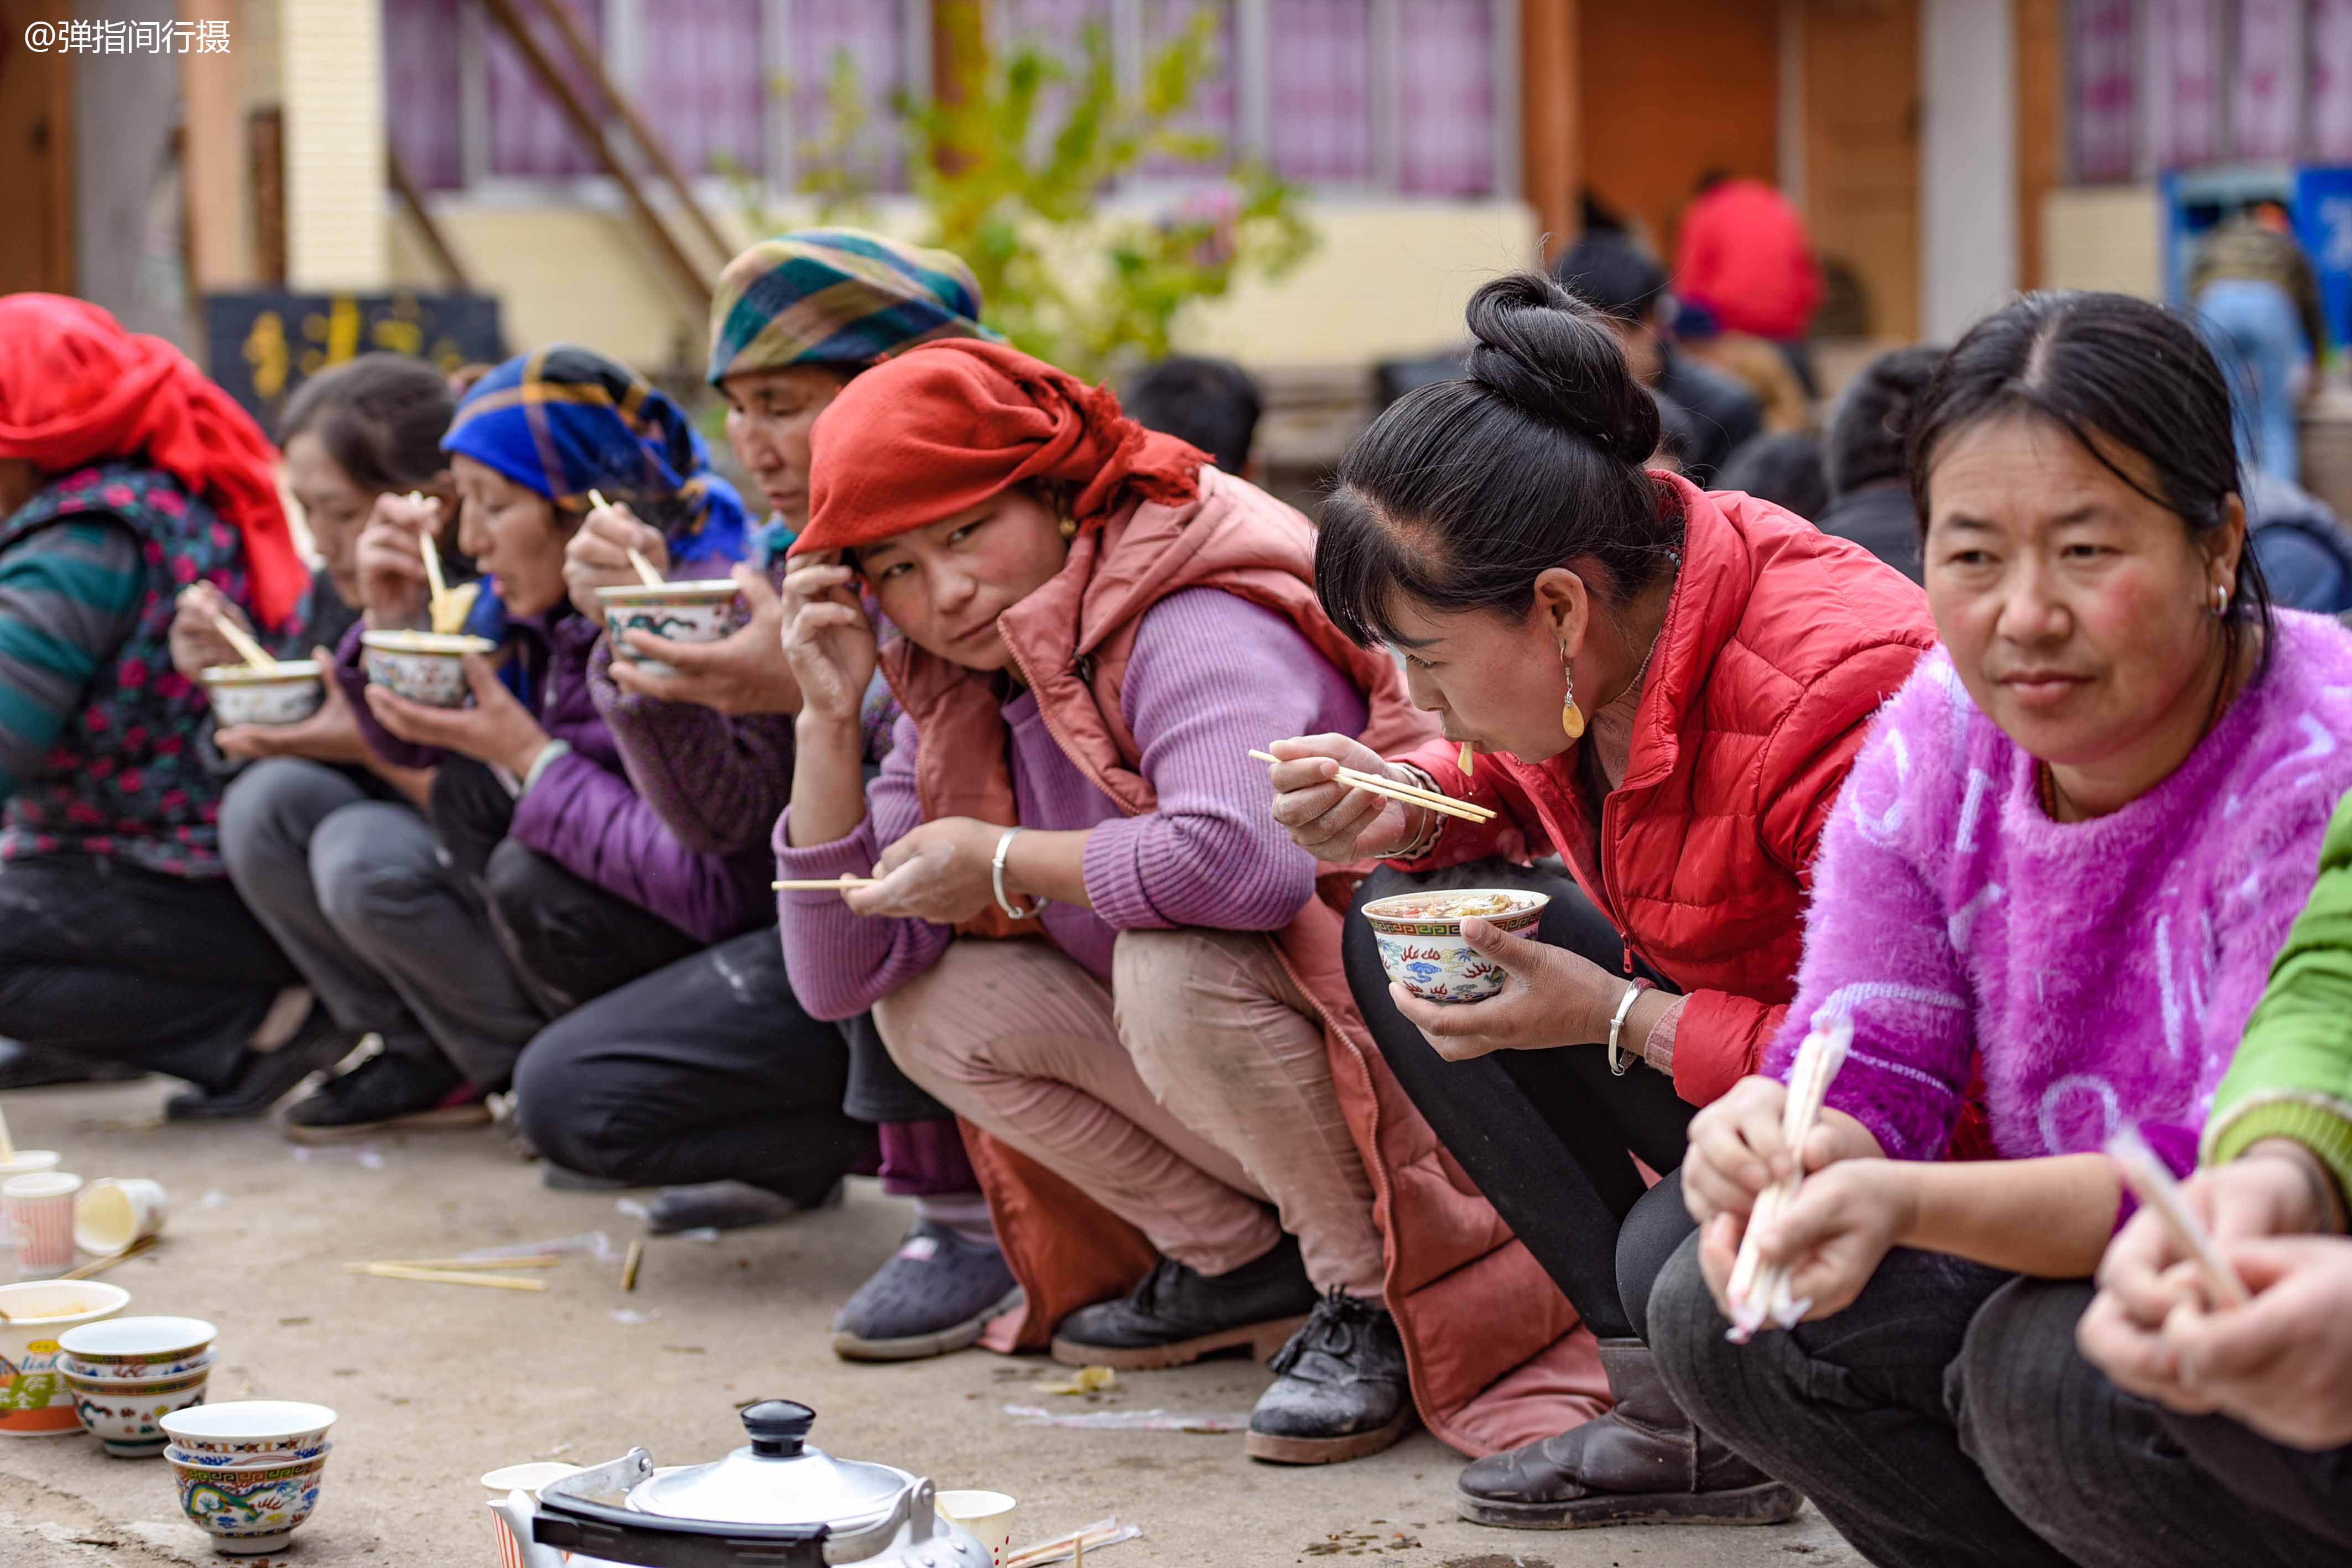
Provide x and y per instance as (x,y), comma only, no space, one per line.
(263,346)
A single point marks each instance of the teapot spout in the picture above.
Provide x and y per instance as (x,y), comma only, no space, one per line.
(514,1511)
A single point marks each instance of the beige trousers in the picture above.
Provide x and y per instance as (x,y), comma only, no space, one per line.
(1185,1097)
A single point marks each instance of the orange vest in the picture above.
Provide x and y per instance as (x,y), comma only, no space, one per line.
(1496,1354)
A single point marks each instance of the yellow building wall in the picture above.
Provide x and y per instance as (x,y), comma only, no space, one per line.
(1388,280)
(331,63)
(2103,236)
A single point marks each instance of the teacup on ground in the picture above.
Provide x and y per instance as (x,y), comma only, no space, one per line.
(423,666)
(696,612)
(136,1347)
(28,1162)
(248,1430)
(122,1413)
(248,1509)
(1421,943)
(112,1212)
(987,1514)
(259,693)
(33,1399)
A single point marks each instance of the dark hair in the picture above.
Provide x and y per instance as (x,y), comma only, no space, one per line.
(1463,492)
(1867,426)
(2104,368)
(1783,467)
(381,418)
(1213,403)
(1609,271)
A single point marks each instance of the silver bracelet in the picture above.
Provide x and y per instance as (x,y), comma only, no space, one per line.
(539,764)
(996,880)
(1618,1061)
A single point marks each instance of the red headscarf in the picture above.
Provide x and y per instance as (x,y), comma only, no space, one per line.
(75,388)
(948,425)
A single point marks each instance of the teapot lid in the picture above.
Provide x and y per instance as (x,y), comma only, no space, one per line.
(779,1479)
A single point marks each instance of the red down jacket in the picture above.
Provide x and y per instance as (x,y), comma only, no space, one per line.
(1778,645)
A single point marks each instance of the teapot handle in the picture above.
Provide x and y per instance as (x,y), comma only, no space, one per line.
(922,1512)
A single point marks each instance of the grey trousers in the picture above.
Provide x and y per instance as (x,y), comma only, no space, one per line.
(354,889)
(1946,1420)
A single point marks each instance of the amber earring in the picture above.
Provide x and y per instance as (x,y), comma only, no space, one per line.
(1571,718)
(1069,528)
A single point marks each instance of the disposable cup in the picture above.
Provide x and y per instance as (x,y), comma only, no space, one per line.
(28,1162)
(987,1514)
(113,1212)
(41,1212)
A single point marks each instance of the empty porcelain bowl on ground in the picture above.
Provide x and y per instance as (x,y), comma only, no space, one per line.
(700,611)
(248,1430)
(33,1399)
(249,1509)
(187,1366)
(423,666)
(133,1347)
(1422,945)
(285,693)
(122,1413)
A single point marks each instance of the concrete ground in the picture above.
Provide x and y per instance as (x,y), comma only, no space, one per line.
(436,1384)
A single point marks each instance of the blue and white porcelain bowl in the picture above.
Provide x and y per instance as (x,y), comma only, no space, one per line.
(249,1509)
(1422,945)
(285,693)
(423,666)
(699,611)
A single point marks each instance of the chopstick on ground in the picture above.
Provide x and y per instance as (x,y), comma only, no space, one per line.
(1410,794)
(251,651)
(7,1145)
(443,1276)
(536,1260)
(825,884)
(630,1264)
(100,1265)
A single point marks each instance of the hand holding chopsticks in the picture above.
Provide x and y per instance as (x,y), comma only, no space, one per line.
(1410,794)
(646,574)
(1759,1293)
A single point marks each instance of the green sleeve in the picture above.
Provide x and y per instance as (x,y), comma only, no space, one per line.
(2292,1074)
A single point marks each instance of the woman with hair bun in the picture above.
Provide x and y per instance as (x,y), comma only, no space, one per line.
(1665,688)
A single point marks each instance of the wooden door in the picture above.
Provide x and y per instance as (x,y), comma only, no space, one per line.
(1673,89)
(1860,63)
(37,168)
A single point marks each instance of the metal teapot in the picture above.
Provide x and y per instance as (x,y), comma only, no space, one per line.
(777,1503)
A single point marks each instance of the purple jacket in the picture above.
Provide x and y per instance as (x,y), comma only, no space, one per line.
(582,811)
(2102,971)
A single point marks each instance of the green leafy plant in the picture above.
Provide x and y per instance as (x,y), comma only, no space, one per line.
(1011,164)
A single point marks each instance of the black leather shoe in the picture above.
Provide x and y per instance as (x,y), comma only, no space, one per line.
(387,1094)
(1177,1315)
(1341,1389)
(1643,1463)
(265,1077)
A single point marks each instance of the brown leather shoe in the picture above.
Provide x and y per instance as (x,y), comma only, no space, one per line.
(1643,1463)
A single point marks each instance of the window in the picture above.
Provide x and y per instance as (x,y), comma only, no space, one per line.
(2266,89)
(1319,89)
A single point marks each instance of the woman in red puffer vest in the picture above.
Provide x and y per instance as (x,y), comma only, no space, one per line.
(1665,688)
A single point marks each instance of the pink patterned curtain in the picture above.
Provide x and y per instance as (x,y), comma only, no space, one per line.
(1446,98)
(423,89)
(2104,117)
(1216,104)
(2266,96)
(2331,79)
(1320,102)
(702,82)
(870,34)
(2184,72)
(530,136)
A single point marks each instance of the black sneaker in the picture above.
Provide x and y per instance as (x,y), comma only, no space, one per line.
(1177,1315)
(1341,1389)
(25,1066)
(387,1094)
(935,1295)
(265,1077)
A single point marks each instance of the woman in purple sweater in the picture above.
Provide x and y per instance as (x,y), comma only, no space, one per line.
(2053,889)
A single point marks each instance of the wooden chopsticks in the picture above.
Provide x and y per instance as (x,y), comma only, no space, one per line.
(826,884)
(1410,794)
(252,653)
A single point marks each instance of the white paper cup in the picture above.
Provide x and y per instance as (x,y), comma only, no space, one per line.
(28,1162)
(41,1212)
(987,1514)
(112,1212)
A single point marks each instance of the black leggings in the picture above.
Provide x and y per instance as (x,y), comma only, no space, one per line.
(1549,1136)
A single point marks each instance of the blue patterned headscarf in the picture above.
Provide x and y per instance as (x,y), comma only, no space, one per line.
(843,297)
(566,420)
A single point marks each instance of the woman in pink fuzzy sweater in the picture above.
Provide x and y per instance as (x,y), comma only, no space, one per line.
(2053,887)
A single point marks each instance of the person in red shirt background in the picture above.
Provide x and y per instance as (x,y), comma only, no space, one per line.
(1744,254)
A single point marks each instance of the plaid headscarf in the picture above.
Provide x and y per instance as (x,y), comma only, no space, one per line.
(836,296)
(566,420)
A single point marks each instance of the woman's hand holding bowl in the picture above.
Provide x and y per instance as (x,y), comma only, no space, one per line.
(598,557)
(497,729)
(830,647)
(330,735)
(393,589)
(745,671)
(1550,996)
(1335,821)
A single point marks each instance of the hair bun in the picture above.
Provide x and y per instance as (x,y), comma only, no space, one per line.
(1554,358)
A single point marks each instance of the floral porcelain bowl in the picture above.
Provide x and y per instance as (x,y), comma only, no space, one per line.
(285,693)
(125,1414)
(249,1509)
(702,612)
(423,666)
(136,1347)
(1420,942)
(248,1430)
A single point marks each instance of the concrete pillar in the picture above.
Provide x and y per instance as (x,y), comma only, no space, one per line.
(1967,157)
(212,122)
(126,219)
(331,65)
